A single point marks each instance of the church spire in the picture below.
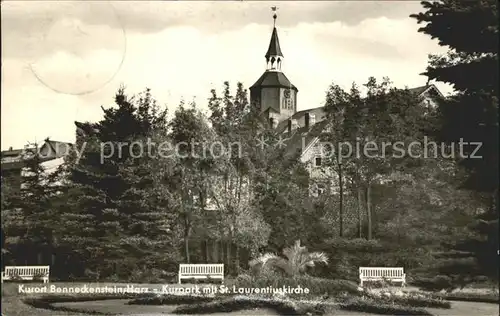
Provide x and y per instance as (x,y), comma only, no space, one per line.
(274,56)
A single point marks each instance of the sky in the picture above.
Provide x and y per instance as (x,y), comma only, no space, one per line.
(62,61)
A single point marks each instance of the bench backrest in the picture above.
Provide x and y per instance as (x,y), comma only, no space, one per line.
(201,269)
(27,270)
(379,272)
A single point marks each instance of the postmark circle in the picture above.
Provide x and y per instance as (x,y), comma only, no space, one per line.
(85,56)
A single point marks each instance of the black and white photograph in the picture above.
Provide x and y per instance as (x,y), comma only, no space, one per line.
(235,158)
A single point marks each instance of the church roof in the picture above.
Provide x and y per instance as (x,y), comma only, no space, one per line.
(274,45)
(273,79)
(302,137)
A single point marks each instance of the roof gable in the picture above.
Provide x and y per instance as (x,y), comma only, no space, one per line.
(52,149)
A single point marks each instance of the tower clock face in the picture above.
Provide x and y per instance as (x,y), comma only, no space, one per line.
(287,93)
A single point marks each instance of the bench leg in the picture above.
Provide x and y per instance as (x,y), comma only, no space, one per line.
(361,283)
(179,279)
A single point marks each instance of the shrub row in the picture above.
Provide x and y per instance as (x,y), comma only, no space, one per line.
(414,301)
(287,307)
(169,299)
(376,307)
(239,303)
(316,286)
(493,298)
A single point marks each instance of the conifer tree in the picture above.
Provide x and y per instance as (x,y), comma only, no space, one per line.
(471,114)
(147,206)
(98,217)
(29,214)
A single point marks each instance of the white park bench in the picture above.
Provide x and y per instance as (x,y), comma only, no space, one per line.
(201,271)
(26,273)
(382,274)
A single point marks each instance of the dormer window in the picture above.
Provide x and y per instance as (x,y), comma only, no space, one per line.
(312,119)
(318,161)
(321,188)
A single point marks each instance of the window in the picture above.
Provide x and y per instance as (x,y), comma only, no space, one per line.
(312,119)
(321,188)
(287,104)
(317,161)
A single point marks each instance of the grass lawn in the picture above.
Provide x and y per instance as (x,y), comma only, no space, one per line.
(13,305)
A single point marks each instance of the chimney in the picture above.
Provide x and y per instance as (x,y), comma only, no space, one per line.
(10,148)
(306,119)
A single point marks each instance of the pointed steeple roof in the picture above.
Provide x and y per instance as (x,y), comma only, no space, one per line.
(274,46)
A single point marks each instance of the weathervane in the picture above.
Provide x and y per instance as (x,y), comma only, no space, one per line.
(274,15)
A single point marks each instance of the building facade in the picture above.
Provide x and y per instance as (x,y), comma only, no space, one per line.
(13,161)
(276,98)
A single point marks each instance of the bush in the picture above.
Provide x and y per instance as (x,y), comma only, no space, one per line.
(472,297)
(376,307)
(316,286)
(169,299)
(437,283)
(414,301)
(239,303)
(347,255)
(152,276)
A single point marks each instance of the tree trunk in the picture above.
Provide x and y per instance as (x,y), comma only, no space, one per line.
(360,211)
(186,248)
(228,254)
(341,203)
(222,250)
(237,259)
(207,252)
(215,251)
(186,243)
(369,210)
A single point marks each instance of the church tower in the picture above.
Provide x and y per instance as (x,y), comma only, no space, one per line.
(273,93)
